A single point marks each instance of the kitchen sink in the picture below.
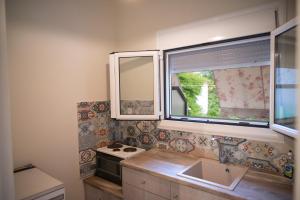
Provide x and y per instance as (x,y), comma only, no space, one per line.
(215,173)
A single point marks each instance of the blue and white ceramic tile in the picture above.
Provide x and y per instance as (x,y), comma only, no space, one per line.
(146,141)
(231,141)
(87,156)
(162,135)
(182,145)
(96,129)
(137,107)
(261,165)
(93,132)
(87,161)
(87,170)
(146,126)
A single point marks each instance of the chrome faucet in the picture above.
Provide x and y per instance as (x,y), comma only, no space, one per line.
(223,154)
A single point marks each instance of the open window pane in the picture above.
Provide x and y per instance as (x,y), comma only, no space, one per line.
(285,81)
(136,85)
(228,82)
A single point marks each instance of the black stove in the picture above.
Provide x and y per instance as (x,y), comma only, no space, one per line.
(129,149)
(117,149)
(115,146)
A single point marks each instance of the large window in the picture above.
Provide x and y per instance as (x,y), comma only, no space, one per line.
(225,82)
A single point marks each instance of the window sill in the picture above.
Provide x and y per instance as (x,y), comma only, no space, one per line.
(251,133)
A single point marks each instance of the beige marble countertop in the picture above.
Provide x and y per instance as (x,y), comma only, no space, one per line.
(253,186)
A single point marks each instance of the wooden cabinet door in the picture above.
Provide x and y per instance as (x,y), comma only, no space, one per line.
(181,192)
(158,186)
(132,193)
(146,182)
(151,196)
(174,191)
(133,177)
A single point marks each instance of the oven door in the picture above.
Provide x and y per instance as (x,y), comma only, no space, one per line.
(108,167)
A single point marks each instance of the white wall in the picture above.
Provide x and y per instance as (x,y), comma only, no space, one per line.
(240,23)
(6,163)
(58,51)
(139,21)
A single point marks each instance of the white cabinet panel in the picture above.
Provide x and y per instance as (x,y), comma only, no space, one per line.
(193,194)
(134,178)
(142,186)
(147,182)
(174,191)
(132,193)
(150,196)
(158,186)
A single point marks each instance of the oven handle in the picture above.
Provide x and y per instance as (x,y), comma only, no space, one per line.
(111,161)
(108,172)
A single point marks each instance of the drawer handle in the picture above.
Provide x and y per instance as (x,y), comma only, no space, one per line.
(143,182)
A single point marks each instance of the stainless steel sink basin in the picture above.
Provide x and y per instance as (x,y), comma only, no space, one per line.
(215,173)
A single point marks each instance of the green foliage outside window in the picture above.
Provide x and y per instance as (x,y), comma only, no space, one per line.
(191,84)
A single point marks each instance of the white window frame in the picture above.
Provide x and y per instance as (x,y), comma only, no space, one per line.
(115,85)
(202,47)
(247,132)
(277,127)
(251,133)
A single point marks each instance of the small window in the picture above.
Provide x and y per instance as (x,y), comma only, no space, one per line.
(283,114)
(226,82)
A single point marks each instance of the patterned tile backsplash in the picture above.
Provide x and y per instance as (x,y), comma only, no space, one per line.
(93,132)
(136,107)
(97,129)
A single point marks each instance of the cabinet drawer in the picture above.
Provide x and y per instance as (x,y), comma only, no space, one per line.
(134,178)
(132,193)
(150,196)
(158,186)
(147,182)
(181,192)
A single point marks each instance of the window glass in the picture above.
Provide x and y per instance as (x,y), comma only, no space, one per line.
(285,79)
(136,85)
(228,82)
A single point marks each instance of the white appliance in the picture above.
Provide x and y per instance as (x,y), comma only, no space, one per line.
(121,150)
(35,184)
(108,160)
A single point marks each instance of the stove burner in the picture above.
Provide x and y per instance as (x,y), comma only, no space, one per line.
(114,146)
(129,149)
(116,149)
